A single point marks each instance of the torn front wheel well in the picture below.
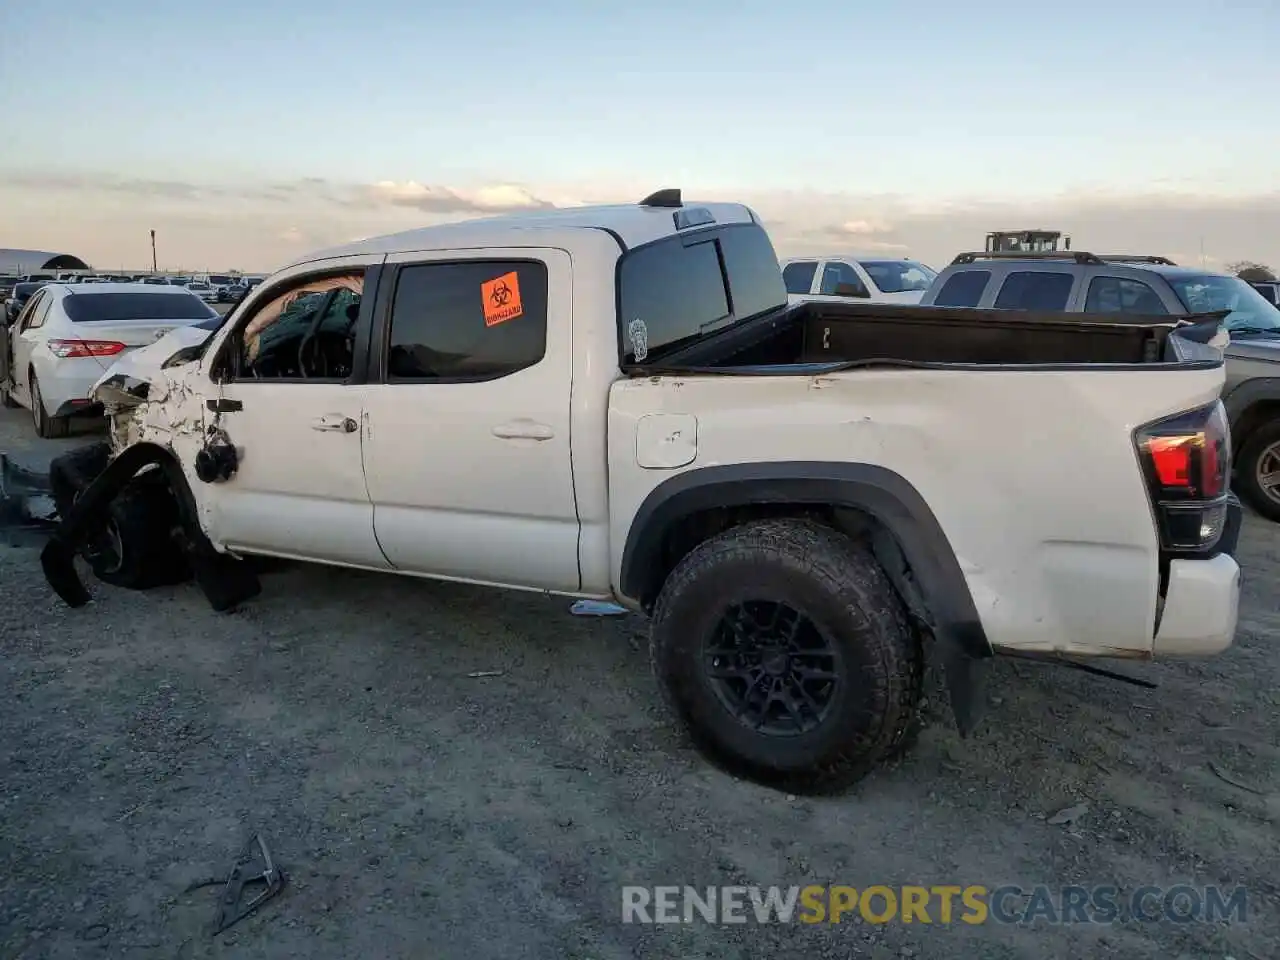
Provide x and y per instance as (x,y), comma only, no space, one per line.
(224,579)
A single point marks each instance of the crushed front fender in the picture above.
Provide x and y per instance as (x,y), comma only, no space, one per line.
(225,580)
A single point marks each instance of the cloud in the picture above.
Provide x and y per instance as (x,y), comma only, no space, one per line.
(862,228)
(497,198)
(106,183)
(254,226)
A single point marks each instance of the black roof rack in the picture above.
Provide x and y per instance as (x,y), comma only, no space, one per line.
(1135,258)
(1079,256)
(669,197)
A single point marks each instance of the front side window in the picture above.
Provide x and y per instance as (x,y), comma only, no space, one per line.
(1122,295)
(963,289)
(798,276)
(899,276)
(306,332)
(836,276)
(475,320)
(1247,309)
(1035,290)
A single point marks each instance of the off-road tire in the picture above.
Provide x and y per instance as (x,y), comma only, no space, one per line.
(143,518)
(838,585)
(1246,469)
(47,427)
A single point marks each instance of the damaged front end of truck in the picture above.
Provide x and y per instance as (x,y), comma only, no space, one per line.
(126,506)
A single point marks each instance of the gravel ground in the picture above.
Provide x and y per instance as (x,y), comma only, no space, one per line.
(421,811)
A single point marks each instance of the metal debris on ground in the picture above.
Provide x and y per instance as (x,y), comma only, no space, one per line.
(25,504)
(596,608)
(1228,778)
(253,870)
(1069,815)
(480,674)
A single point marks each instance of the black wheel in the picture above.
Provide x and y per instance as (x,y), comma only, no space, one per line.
(46,426)
(787,655)
(137,547)
(1258,470)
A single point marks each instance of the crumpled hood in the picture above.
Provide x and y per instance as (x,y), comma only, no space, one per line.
(128,380)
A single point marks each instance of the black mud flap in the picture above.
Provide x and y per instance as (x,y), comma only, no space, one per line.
(224,580)
(965,674)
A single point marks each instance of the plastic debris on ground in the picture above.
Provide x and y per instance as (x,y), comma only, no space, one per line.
(596,608)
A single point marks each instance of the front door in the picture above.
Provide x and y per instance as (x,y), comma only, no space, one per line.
(467,454)
(292,405)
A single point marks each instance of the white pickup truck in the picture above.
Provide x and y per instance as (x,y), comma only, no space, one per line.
(617,402)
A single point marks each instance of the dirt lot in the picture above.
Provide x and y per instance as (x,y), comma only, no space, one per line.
(421,812)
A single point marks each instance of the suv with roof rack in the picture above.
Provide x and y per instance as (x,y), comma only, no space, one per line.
(1083,282)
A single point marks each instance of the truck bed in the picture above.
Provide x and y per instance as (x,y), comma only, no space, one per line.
(813,337)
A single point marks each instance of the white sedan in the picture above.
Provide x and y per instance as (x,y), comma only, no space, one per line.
(68,334)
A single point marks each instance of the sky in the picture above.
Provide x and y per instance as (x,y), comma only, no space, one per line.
(247,134)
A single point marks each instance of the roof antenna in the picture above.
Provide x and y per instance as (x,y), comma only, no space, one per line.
(670,197)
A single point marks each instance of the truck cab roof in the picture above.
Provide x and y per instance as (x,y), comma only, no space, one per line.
(631,225)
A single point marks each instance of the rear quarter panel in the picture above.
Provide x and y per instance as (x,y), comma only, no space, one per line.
(1032,475)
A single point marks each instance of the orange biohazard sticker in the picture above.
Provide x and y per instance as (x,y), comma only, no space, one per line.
(501,298)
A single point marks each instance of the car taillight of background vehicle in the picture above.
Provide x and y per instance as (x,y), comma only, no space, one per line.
(84,348)
(1186,460)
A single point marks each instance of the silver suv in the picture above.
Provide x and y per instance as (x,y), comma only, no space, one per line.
(1080,282)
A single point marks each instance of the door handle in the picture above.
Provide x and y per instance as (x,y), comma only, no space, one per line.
(336,422)
(523,430)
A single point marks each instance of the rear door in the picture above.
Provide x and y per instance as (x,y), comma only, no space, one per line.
(26,335)
(467,449)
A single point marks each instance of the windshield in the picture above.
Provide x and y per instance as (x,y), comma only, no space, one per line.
(673,291)
(95,307)
(1205,294)
(898,276)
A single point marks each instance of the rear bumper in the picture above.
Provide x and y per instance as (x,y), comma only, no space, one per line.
(79,408)
(1202,602)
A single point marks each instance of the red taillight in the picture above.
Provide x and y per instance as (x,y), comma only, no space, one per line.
(1186,460)
(84,348)
(1171,459)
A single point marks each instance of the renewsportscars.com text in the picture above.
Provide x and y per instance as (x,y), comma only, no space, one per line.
(945,903)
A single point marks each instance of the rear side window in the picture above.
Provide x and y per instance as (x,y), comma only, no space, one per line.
(798,276)
(1035,290)
(963,289)
(93,307)
(677,290)
(477,320)
(1122,295)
